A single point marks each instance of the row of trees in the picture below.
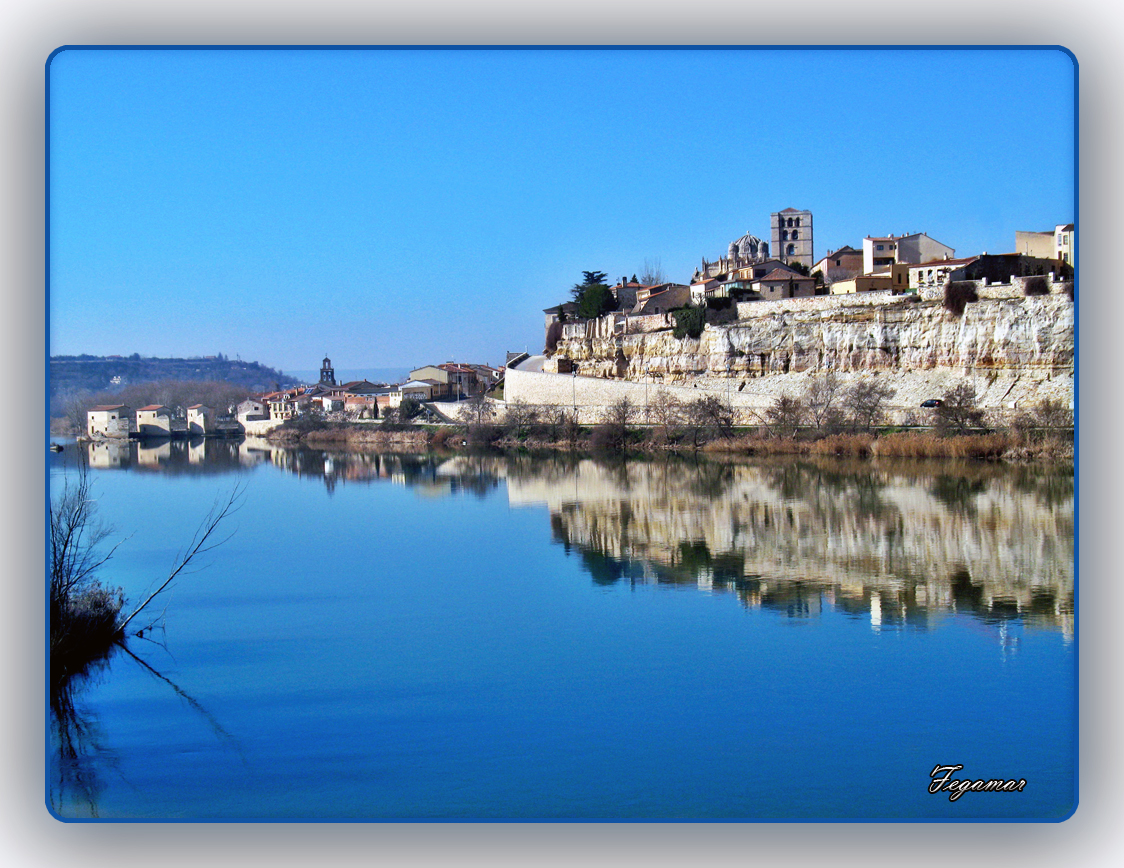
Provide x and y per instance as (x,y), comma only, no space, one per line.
(825,407)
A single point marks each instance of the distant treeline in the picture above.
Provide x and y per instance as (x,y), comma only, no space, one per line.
(72,374)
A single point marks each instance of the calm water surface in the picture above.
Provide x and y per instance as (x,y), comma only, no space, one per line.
(479,637)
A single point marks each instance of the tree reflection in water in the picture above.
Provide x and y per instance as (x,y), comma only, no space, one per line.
(79,758)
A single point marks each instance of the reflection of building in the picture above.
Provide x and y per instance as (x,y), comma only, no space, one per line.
(899,549)
(153,455)
(103,454)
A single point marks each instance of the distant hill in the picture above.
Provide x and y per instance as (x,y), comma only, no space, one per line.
(72,374)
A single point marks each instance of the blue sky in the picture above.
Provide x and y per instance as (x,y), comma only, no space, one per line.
(405,207)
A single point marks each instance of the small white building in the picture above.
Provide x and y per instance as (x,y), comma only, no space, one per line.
(881,253)
(200,419)
(155,420)
(108,420)
(417,389)
(251,410)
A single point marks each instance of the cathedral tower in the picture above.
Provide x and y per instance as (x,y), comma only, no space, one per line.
(792,236)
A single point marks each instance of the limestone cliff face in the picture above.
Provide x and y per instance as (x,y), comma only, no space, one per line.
(1020,336)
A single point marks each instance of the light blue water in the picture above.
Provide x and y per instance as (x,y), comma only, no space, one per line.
(529,639)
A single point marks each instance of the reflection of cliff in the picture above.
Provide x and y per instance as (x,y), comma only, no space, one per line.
(900,544)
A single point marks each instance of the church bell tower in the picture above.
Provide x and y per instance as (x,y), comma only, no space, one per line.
(327,372)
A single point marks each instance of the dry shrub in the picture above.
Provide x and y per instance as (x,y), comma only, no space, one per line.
(440,437)
(958,294)
(851,445)
(1036,286)
(914,444)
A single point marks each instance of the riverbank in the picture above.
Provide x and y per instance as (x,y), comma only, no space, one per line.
(1007,446)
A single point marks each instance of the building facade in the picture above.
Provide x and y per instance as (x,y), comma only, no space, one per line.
(792,237)
(879,253)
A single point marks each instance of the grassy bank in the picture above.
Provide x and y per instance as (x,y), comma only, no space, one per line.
(567,436)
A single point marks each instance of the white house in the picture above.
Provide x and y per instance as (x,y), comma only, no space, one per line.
(155,420)
(108,420)
(200,419)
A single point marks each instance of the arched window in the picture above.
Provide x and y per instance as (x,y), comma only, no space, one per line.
(784,235)
(789,222)
(795,235)
(797,221)
(791,249)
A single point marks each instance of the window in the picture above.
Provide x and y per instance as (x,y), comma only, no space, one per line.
(879,247)
(784,235)
(797,221)
(795,235)
(791,249)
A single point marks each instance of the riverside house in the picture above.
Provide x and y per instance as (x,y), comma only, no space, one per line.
(109,420)
(155,420)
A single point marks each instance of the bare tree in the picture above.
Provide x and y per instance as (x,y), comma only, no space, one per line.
(821,402)
(202,542)
(82,610)
(666,413)
(521,418)
(784,416)
(959,410)
(708,416)
(867,400)
(612,433)
(652,273)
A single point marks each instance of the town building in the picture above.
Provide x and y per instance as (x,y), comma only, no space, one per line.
(782,283)
(200,419)
(841,264)
(664,298)
(155,420)
(879,253)
(930,278)
(1058,244)
(251,410)
(109,420)
(792,236)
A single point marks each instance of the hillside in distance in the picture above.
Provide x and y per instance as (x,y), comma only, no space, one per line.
(84,373)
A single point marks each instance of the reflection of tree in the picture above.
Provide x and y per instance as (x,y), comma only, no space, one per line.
(79,754)
(957,492)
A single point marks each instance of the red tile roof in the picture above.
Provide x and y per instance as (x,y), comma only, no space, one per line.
(102,408)
(153,407)
(782,274)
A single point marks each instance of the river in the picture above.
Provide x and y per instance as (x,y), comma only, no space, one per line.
(482,637)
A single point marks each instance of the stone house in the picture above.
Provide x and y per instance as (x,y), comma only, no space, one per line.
(251,410)
(671,297)
(782,283)
(155,420)
(200,419)
(109,420)
(862,283)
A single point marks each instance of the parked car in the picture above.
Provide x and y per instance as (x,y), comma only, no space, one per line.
(931,403)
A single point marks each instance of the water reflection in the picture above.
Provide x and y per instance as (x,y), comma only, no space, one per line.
(901,544)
